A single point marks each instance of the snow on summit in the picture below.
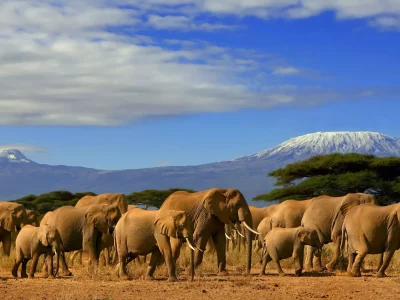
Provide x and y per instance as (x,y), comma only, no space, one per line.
(321,143)
(13,156)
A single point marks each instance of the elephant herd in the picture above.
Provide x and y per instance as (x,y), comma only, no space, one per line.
(215,217)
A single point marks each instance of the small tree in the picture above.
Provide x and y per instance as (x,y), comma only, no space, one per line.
(337,175)
(154,198)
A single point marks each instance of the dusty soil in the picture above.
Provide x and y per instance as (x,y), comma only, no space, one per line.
(233,286)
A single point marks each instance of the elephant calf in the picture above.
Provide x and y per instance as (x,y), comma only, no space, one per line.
(32,242)
(281,243)
(135,235)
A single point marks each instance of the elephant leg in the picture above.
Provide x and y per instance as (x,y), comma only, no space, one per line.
(35,259)
(16,265)
(380,262)
(64,267)
(336,253)
(317,262)
(44,267)
(355,270)
(7,243)
(23,268)
(275,257)
(387,256)
(165,248)
(298,259)
(220,246)
(50,271)
(265,260)
(156,257)
(351,257)
(122,262)
(308,261)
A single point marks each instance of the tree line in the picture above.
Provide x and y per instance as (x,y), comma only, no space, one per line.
(337,175)
(53,200)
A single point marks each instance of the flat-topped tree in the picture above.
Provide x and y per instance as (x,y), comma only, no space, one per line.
(337,175)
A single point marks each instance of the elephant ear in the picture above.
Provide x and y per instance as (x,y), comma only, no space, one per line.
(95,219)
(7,220)
(166,221)
(348,202)
(215,203)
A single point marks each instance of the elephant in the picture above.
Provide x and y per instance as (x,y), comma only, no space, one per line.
(371,229)
(31,243)
(109,198)
(32,218)
(82,228)
(135,235)
(107,241)
(325,214)
(209,211)
(289,213)
(282,243)
(263,228)
(12,218)
(259,213)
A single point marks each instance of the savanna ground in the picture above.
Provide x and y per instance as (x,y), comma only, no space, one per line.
(206,285)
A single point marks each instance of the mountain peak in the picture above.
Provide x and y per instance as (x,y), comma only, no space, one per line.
(13,156)
(322,143)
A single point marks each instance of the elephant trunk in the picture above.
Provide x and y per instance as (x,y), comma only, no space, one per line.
(245,218)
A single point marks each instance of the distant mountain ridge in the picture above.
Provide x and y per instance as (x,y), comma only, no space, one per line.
(248,173)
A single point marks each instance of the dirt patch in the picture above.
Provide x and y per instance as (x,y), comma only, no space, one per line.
(232,286)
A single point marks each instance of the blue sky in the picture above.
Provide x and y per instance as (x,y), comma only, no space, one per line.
(132,84)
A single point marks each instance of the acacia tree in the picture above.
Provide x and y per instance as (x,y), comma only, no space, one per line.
(154,198)
(337,175)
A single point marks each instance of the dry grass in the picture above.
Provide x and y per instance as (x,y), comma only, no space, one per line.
(235,260)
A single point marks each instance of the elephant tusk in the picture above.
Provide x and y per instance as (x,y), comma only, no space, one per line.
(199,249)
(190,245)
(227,236)
(249,228)
(55,252)
(238,232)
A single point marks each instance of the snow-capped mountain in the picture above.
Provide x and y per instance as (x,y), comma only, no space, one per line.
(13,156)
(248,173)
(322,143)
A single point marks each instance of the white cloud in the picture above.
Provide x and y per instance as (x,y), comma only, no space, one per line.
(184,23)
(386,23)
(284,71)
(63,65)
(24,148)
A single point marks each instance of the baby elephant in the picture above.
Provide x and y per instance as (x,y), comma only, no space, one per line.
(32,242)
(281,243)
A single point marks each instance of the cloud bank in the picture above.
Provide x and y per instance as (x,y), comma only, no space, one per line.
(72,63)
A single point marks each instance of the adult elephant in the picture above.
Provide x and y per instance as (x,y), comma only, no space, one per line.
(325,214)
(12,218)
(82,228)
(370,229)
(108,198)
(209,211)
(107,244)
(135,235)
